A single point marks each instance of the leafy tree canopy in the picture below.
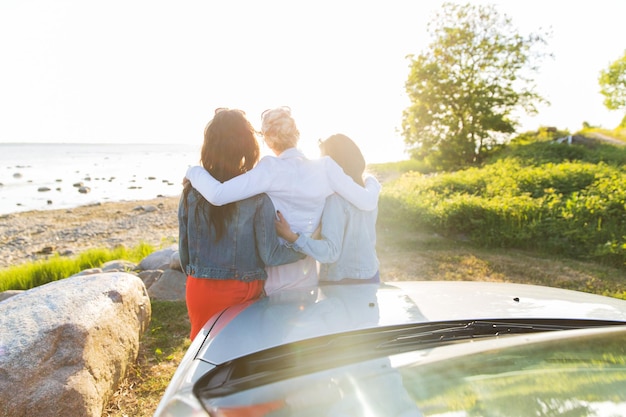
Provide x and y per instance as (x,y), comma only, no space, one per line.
(613,85)
(465,89)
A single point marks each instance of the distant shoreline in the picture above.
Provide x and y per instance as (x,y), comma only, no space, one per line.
(60,176)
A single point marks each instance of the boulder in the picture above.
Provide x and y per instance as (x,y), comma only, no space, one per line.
(148,277)
(170,286)
(158,260)
(66,345)
(90,271)
(9,293)
(119,266)
(175,262)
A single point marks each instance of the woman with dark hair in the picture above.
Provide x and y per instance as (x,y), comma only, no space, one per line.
(224,250)
(347,248)
(297,186)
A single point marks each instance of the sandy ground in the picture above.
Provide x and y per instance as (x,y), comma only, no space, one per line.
(36,235)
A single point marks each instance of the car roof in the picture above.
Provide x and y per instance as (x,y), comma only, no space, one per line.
(294,315)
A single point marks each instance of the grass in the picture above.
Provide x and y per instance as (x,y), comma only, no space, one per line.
(161,349)
(31,275)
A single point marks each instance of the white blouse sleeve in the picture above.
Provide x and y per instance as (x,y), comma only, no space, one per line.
(253,182)
(364,198)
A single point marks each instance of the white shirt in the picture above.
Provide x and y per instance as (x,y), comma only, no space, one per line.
(298,188)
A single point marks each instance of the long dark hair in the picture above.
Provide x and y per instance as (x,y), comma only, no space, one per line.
(230,148)
(347,155)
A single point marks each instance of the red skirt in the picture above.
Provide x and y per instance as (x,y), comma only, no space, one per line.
(206,297)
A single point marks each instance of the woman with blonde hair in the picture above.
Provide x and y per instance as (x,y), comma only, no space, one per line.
(225,250)
(297,186)
(347,247)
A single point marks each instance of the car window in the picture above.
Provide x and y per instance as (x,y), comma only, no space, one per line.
(573,372)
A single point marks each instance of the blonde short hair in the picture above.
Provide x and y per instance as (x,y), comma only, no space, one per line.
(279,129)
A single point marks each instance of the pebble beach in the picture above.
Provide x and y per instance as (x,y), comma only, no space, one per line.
(34,235)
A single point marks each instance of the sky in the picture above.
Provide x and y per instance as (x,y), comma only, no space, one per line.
(153,71)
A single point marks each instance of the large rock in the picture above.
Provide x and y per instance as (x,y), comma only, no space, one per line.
(159,260)
(170,286)
(66,345)
(9,293)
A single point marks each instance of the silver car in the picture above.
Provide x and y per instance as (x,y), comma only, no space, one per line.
(429,348)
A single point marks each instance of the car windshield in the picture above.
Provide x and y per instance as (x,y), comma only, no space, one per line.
(448,371)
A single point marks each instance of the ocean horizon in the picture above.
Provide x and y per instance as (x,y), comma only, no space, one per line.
(49,176)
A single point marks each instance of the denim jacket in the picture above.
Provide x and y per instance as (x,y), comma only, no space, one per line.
(347,248)
(249,242)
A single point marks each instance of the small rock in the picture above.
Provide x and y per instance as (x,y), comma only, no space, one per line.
(169,287)
(91,271)
(149,277)
(175,262)
(119,266)
(84,190)
(9,293)
(46,250)
(43,189)
(158,260)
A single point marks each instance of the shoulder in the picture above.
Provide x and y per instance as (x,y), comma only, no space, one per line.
(327,160)
(327,165)
(267,160)
(267,166)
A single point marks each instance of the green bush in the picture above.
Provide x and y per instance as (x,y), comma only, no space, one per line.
(566,207)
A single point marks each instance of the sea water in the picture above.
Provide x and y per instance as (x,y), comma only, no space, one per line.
(49,176)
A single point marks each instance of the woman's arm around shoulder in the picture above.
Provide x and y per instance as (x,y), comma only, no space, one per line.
(364,198)
(257,180)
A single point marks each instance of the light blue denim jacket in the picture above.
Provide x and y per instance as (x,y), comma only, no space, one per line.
(347,248)
(247,246)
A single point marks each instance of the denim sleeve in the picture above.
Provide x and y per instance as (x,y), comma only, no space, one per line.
(327,249)
(268,246)
(183,238)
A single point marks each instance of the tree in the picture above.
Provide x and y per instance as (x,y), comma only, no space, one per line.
(613,86)
(465,89)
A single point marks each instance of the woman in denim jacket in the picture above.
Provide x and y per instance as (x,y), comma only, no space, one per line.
(224,250)
(298,187)
(347,248)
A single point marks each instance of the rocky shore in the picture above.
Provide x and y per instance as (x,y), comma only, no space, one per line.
(34,235)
